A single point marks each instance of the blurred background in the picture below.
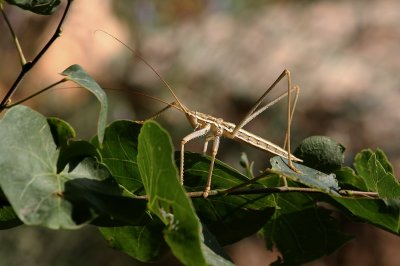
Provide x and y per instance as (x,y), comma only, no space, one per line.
(219,56)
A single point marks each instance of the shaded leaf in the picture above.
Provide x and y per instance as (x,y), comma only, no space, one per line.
(168,200)
(348,179)
(145,243)
(119,152)
(75,152)
(42,7)
(76,74)
(230,218)
(8,218)
(62,131)
(300,230)
(103,198)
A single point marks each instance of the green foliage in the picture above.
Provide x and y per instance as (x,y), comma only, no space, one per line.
(125,182)
(134,194)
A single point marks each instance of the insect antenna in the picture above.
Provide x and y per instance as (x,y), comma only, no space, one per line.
(172,104)
(141,58)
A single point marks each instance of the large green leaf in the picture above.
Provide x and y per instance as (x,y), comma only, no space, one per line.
(168,200)
(119,153)
(28,163)
(299,229)
(76,74)
(230,218)
(43,7)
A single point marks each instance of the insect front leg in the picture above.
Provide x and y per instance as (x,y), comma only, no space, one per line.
(198,133)
(214,151)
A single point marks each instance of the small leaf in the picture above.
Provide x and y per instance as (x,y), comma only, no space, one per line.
(76,74)
(377,174)
(42,7)
(307,176)
(168,200)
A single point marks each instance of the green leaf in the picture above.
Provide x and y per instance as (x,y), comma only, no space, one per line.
(373,211)
(42,7)
(374,173)
(307,176)
(8,218)
(300,230)
(168,200)
(76,74)
(377,173)
(119,152)
(28,160)
(145,243)
(62,131)
(230,218)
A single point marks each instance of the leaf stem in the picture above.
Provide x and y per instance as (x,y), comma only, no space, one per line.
(29,65)
(36,93)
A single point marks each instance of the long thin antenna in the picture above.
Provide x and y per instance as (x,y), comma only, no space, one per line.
(173,104)
(136,53)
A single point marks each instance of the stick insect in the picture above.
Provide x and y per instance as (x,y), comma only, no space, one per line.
(214,128)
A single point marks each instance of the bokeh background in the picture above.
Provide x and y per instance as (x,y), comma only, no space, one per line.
(219,56)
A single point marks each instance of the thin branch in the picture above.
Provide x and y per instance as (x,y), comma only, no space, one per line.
(16,42)
(29,65)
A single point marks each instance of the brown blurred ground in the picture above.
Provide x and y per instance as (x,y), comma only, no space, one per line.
(220,56)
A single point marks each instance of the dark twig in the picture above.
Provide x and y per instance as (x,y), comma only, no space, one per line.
(29,65)
(272,190)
